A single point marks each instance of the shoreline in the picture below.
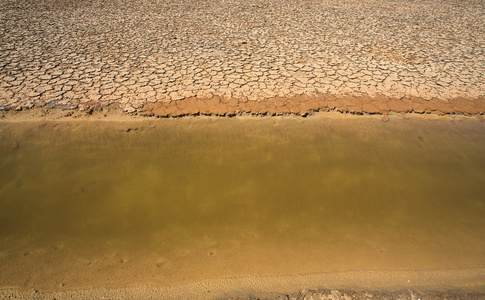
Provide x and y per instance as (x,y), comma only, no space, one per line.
(204,109)
(303,105)
(296,105)
(468,283)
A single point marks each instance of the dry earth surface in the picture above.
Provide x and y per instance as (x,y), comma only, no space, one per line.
(172,58)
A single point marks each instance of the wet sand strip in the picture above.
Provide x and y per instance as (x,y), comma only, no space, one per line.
(352,284)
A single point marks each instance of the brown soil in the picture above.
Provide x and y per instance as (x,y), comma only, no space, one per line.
(302,105)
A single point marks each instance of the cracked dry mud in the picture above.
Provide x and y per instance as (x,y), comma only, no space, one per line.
(172,58)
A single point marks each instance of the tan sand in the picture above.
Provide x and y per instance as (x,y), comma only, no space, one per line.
(471,280)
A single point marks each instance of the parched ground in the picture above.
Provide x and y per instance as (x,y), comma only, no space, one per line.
(172,58)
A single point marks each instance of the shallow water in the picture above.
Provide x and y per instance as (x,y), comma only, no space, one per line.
(90,203)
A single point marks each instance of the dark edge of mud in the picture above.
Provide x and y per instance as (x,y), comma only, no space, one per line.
(293,106)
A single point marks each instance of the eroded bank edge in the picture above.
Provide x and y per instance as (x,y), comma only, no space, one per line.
(295,106)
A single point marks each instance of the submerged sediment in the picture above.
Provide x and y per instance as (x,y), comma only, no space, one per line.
(191,202)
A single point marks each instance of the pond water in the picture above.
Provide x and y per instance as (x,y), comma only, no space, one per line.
(94,203)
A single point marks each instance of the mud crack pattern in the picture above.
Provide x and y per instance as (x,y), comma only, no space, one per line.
(143,54)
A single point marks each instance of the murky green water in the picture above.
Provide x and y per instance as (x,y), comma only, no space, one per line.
(113,204)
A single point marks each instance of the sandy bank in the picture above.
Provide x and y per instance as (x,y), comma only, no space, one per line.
(433,284)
